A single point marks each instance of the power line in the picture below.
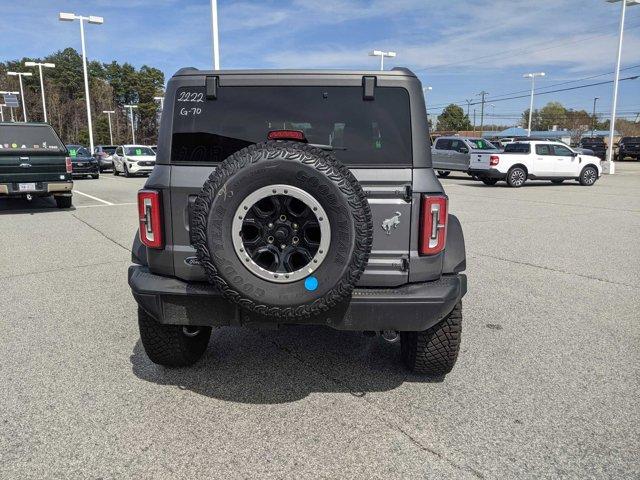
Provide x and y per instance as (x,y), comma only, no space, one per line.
(540,88)
(554,91)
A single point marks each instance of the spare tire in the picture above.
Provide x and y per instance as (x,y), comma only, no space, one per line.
(283,229)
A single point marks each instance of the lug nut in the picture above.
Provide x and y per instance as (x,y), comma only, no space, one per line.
(283,218)
(295,226)
(283,246)
(295,240)
(270,239)
(270,225)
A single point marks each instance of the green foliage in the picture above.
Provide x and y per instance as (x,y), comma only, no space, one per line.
(111,85)
(453,118)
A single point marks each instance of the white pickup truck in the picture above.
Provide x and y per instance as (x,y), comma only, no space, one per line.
(535,160)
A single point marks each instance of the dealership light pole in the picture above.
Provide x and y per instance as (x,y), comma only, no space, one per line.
(381,54)
(133,130)
(214,35)
(109,112)
(608,166)
(20,75)
(532,76)
(70,17)
(40,65)
(593,126)
(2,105)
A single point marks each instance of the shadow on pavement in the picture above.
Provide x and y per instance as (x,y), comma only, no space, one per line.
(37,205)
(267,367)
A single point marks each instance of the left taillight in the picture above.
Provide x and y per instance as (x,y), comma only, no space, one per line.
(150,216)
(68,164)
(433,224)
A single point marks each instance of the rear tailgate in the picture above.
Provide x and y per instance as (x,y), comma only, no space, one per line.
(480,161)
(31,153)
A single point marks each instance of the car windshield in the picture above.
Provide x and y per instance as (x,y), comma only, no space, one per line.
(109,150)
(77,151)
(138,151)
(366,132)
(32,138)
(592,140)
(630,139)
(481,144)
(517,148)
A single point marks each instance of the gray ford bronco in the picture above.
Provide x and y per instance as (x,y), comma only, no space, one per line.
(297,197)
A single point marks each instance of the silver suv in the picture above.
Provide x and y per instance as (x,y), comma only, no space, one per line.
(297,197)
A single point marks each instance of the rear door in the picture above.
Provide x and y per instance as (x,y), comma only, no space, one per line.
(544,161)
(372,138)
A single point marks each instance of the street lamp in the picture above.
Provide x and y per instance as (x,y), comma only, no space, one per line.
(40,65)
(608,166)
(161,100)
(381,54)
(20,75)
(70,17)
(532,76)
(133,130)
(109,112)
(214,35)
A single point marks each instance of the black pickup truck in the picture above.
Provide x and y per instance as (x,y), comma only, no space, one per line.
(629,147)
(34,163)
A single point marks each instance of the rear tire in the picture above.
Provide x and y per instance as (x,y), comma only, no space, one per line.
(558,181)
(115,171)
(516,177)
(64,202)
(588,176)
(126,171)
(489,181)
(443,173)
(172,345)
(433,351)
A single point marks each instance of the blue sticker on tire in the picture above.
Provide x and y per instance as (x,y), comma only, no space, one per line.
(311,283)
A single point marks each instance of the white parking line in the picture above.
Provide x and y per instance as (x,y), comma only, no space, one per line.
(102,206)
(93,198)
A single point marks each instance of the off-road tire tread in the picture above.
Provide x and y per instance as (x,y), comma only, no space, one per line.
(167,345)
(337,174)
(434,351)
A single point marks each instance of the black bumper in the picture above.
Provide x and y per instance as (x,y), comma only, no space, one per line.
(413,307)
(488,173)
(90,169)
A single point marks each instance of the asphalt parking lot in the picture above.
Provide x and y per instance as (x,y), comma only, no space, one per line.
(547,383)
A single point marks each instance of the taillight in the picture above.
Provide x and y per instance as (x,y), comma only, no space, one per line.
(433,224)
(68,164)
(150,216)
(297,135)
(494,160)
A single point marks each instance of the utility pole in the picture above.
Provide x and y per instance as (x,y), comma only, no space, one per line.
(474,119)
(593,127)
(482,94)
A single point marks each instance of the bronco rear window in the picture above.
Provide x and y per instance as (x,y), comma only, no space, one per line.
(360,132)
(29,138)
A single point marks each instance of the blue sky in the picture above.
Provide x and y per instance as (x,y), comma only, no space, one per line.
(457,47)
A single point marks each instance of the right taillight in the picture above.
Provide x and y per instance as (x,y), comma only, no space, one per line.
(150,216)
(68,164)
(433,224)
(494,160)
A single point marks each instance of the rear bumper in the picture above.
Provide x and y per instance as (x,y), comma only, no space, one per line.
(86,170)
(413,307)
(42,189)
(488,173)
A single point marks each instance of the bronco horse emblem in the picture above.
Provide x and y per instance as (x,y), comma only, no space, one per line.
(392,222)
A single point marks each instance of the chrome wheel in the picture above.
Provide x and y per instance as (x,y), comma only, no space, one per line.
(281,233)
(517,177)
(589,176)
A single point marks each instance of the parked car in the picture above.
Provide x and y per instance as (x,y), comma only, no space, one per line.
(629,147)
(595,145)
(536,160)
(84,165)
(34,163)
(454,153)
(133,160)
(257,215)
(103,154)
